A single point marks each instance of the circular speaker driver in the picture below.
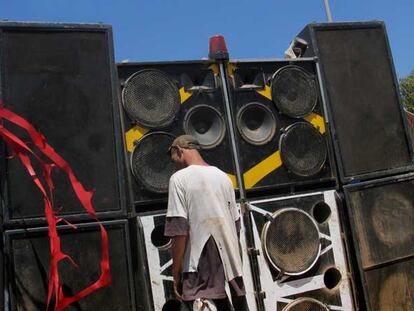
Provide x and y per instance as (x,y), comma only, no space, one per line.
(150,163)
(305,304)
(303,149)
(206,124)
(294,91)
(256,123)
(291,241)
(151,98)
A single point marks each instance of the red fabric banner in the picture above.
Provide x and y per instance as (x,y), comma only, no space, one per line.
(22,151)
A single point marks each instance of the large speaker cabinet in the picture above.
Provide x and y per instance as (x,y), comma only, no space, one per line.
(361,92)
(282,137)
(162,101)
(28,254)
(62,79)
(381,215)
(159,263)
(302,258)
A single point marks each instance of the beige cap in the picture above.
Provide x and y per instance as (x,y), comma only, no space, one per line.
(185,141)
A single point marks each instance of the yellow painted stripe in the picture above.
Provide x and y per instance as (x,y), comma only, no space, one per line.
(184,95)
(215,69)
(317,121)
(267,92)
(262,169)
(233,180)
(230,69)
(133,134)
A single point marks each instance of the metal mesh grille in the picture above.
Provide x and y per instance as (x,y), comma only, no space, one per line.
(291,241)
(303,149)
(150,163)
(294,91)
(256,123)
(151,98)
(306,304)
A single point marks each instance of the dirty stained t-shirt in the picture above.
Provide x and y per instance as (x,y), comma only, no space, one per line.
(208,281)
(201,205)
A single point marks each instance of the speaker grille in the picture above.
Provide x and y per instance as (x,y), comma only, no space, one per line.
(291,241)
(256,123)
(371,112)
(206,124)
(150,163)
(306,304)
(303,149)
(294,91)
(383,218)
(151,98)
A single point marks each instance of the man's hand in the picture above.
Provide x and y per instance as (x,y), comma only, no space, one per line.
(177,291)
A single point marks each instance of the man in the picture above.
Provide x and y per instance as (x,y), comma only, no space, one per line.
(203,222)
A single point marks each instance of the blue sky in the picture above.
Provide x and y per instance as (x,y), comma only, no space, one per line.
(179,29)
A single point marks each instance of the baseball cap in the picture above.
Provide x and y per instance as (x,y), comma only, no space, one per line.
(185,141)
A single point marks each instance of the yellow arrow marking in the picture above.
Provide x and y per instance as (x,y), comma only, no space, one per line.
(133,134)
(230,69)
(233,180)
(262,169)
(267,92)
(184,95)
(317,121)
(215,69)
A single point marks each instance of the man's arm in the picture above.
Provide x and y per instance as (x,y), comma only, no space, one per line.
(178,249)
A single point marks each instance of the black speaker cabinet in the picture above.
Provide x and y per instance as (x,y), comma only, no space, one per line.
(62,79)
(361,91)
(162,101)
(159,263)
(302,260)
(382,223)
(28,255)
(2,272)
(282,135)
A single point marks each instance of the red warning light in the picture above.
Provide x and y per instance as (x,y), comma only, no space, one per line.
(218,48)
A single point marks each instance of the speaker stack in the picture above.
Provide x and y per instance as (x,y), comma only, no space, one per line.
(302,262)
(162,101)
(281,134)
(62,79)
(373,153)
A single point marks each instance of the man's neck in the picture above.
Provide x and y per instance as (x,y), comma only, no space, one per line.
(196,160)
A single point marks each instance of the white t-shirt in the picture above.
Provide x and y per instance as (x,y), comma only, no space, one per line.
(204,195)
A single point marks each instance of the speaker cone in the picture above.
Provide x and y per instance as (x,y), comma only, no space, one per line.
(303,149)
(150,163)
(291,241)
(151,98)
(305,304)
(206,124)
(294,91)
(256,123)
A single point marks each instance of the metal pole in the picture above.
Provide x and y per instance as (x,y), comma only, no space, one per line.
(232,135)
(328,11)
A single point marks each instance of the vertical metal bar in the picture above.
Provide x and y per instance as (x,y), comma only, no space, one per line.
(255,269)
(223,75)
(328,11)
